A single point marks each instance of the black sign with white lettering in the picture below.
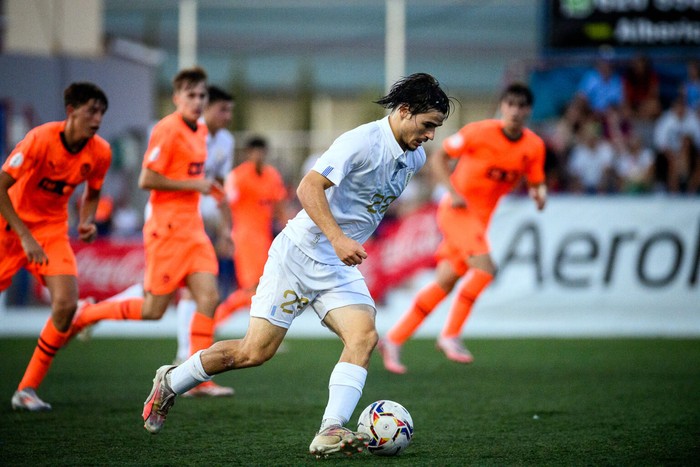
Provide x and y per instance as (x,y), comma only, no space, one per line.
(574,24)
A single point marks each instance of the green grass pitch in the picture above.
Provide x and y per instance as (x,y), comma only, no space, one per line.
(598,402)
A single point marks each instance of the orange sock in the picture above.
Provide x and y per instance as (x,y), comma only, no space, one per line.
(201,332)
(424,303)
(475,281)
(129,309)
(236,300)
(50,341)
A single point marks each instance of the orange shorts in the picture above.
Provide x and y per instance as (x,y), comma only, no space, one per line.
(463,233)
(172,255)
(55,244)
(249,258)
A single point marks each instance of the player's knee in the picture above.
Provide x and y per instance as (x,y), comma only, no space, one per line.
(363,343)
(63,310)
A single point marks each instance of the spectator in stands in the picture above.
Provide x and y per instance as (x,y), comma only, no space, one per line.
(691,85)
(676,140)
(641,89)
(602,86)
(634,166)
(591,163)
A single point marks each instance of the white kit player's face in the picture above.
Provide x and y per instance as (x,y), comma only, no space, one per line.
(190,101)
(416,129)
(218,115)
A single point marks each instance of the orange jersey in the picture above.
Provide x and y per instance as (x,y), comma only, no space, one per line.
(177,152)
(490,164)
(46,174)
(252,197)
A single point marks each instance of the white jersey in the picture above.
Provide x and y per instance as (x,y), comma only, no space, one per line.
(369,171)
(220,146)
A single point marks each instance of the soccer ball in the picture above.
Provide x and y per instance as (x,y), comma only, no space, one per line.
(389,427)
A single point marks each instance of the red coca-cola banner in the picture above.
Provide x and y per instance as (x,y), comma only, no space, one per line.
(404,246)
(108,266)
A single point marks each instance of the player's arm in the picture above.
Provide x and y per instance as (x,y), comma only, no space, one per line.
(34,252)
(87,230)
(311,194)
(441,169)
(152,180)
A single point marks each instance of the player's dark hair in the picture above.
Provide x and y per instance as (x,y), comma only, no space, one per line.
(189,77)
(420,92)
(519,90)
(78,94)
(217,94)
(256,142)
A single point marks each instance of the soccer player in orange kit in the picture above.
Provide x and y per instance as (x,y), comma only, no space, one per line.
(178,250)
(36,182)
(492,157)
(255,192)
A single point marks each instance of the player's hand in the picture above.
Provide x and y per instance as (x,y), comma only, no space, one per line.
(350,252)
(539,195)
(458,201)
(216,191)
(35,253)
(87,232)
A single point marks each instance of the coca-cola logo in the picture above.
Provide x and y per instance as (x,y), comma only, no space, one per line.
(105,268)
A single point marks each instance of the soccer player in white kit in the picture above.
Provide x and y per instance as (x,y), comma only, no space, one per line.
(311,263)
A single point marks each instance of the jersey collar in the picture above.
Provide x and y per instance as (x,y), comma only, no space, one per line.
(393,146)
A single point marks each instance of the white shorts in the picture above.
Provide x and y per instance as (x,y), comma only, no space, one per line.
(292,281)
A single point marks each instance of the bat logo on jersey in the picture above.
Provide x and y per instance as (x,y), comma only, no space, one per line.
(59,187)
(16,160)
(498,174)
(195,168)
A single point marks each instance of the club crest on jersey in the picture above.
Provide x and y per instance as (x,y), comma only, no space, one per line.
(409,175)
(16,160)
(84,170)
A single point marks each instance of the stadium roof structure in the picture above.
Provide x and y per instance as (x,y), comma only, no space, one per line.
(336,45)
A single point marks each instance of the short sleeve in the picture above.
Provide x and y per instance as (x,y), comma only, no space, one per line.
(159,152)
(344,154)
(22,157)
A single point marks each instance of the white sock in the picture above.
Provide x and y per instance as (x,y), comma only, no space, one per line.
(344,392)
(188,375)
(135,291)
(185,311)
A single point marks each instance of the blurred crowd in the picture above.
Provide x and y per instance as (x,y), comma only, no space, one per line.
(618,135)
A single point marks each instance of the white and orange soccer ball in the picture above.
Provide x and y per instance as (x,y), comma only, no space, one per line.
(389,426)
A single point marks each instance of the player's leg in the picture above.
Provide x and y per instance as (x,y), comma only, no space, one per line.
(205,293)
(423,304)
(184,309)
(63,290)
(250,258)
(355,326)
(259,345)
(235,301)
(478,277)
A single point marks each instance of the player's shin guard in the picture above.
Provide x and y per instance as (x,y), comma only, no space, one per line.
(344,392)
(475,281)
(201,332)
(425,302)
(50,341)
